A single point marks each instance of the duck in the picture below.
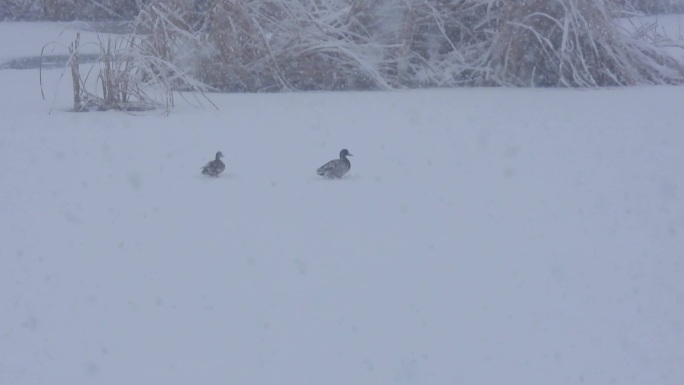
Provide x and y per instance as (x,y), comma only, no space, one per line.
(215,167)
(336,168)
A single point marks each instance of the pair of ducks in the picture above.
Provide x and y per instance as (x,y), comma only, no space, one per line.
(336,168)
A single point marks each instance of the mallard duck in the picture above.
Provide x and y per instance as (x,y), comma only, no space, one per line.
(215,167)
(336,168)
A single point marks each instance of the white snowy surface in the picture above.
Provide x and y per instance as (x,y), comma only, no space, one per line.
(27,39)
(667,31)
(670,26)
(482,236)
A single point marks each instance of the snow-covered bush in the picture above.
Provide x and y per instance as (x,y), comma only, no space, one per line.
(70,10)
(274,45)
(13,10)
(267,45)
(138,71)
(257,45)
(653,6)
(572,43)
(90,9)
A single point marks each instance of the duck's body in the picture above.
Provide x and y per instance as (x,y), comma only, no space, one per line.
(336,168)
(215,167)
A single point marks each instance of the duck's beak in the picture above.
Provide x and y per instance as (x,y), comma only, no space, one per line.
(350,154)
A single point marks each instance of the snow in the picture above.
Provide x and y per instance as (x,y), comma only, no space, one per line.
(482,236)
(665,30)
(669,26)
(54,36)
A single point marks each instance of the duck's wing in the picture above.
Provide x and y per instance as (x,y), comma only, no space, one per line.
(328,167)
(208,169)
(209,164)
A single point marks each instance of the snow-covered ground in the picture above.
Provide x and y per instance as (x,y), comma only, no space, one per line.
(669,26)
(24,39)
(667,31)
(483,236)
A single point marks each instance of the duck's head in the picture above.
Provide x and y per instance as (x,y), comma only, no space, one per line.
(219,155)
(344,153)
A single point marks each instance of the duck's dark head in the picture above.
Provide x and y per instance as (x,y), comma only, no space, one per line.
(219,155)
(344,153)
